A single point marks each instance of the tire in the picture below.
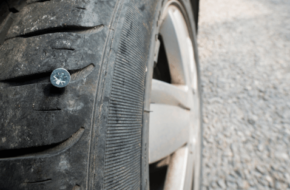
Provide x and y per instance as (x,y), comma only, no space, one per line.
(92,134)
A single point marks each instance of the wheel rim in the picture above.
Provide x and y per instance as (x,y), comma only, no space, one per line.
(176,104)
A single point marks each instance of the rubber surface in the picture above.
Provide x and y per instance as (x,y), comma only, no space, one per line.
(92,133)
(89,134)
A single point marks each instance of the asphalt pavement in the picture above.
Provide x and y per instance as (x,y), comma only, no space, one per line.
(244,49)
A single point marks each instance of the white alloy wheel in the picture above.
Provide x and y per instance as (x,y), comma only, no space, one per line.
(175,126)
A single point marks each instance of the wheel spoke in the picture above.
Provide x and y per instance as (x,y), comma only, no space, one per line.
(164,93)
(169,130)
(175,37)
(176,173)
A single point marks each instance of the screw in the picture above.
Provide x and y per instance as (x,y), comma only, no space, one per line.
(60,78)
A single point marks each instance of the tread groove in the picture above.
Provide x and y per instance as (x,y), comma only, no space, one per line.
(45,110)
(69,29)
(13,10)
(70,49)
(38,182)
(39,1)
(45,150)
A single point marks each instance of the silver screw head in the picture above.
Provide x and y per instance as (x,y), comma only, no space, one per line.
(60,78)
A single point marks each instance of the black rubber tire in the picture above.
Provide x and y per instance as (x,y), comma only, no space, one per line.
(92,134)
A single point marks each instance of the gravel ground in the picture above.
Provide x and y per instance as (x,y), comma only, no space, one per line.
(244,48)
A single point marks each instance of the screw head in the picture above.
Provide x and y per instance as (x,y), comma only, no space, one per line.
(60,78)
